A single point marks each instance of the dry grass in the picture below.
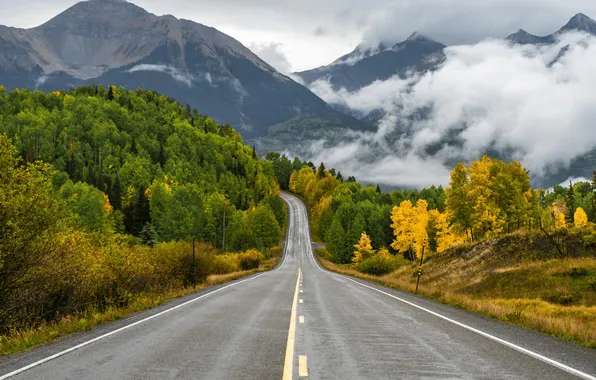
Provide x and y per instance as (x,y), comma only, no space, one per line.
(556,296)
(19,341)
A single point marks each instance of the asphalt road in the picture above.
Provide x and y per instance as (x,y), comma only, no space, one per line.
(301,321)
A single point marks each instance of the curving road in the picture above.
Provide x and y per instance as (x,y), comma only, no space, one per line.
(301,321)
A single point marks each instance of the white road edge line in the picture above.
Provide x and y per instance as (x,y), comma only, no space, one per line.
(533,354)
(62,353)
(489,336)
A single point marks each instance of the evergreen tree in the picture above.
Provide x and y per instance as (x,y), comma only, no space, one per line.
(321,171)
(570,203)
(335,239)
(379,189)
(339,177)
(352,238)
(110,93)
(116,194)
(141,213)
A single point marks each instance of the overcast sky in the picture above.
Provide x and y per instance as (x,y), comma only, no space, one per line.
(298,35)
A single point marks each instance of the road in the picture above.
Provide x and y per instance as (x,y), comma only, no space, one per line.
(301,321)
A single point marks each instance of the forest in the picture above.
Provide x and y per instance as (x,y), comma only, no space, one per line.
(378,230)
(104,191)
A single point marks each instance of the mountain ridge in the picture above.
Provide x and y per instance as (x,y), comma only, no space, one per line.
(119,43)
(579,22)
(360,68)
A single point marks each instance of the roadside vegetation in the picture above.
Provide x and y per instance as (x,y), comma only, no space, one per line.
(489,243)
(112,201)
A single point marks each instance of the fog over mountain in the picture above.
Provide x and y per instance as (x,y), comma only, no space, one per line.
(509,98)
(435,100)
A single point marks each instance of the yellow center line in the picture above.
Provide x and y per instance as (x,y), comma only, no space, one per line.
(302,366)
(289,362)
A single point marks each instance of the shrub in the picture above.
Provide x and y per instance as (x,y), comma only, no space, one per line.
(223,264)
(250,259)
(379,264)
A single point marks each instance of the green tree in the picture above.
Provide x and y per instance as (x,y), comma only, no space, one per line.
(570,203)
(335,241)
(31,216)
(265,227)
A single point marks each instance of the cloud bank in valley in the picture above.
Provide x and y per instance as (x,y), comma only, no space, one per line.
(523,101)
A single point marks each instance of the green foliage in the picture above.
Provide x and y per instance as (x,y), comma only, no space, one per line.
(266,229)
(282,168)
(89,206)
(31,219)
(570,203)
(122,142)
(379,265)
(98,188)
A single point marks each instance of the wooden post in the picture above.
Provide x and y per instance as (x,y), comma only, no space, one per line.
(420,269)
(194,266)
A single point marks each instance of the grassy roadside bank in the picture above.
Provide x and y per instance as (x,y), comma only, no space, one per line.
(496,294)
(20,341)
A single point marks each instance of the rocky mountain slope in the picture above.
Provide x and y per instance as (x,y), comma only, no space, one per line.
(363,66)
(116,42)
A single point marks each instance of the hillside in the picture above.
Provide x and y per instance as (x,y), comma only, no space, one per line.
(103,193)
(520,278)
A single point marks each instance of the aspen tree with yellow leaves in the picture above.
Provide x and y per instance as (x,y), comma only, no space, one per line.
(560,221)
(580,218)
(410,228)
(364,249)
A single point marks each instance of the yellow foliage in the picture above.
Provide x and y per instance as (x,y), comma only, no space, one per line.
(320,208)
(410,227)
(580,218)
(364,249)
(447,236)
(560,220)
(107,207)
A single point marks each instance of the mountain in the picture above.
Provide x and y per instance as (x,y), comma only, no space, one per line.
(579,22)
(115,42)
(364,66)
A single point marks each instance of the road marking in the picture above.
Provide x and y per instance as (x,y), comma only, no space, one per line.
(530,353)
(301,291)
(489,336)
(302,366)
(289,362)
(62,353)
(301,319)
(301,301)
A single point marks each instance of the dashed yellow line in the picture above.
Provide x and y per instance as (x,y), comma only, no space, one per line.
(302,366)
(289,362)
(301,301)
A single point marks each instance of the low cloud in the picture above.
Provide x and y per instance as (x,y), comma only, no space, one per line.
(273,54)
(487,97)
(179,76)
